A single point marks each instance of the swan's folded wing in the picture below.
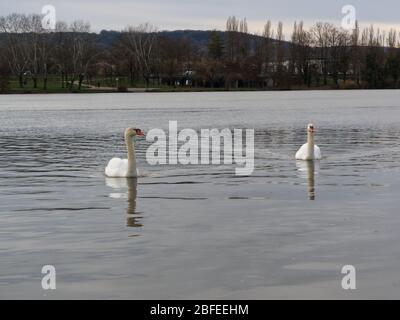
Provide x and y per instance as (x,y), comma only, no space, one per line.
(317,153)
(302,153)
(116,168)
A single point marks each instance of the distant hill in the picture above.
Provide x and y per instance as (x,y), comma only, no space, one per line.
(199,38)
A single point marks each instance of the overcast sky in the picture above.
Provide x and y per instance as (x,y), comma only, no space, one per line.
(208,14)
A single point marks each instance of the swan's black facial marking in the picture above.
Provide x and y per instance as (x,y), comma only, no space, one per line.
(139,132)
(133,132)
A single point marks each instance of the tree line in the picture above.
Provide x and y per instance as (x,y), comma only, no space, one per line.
(323,55)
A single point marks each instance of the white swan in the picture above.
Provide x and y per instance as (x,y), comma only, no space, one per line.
(309,151)
(125,168)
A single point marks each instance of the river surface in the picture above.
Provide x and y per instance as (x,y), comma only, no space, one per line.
(200,231)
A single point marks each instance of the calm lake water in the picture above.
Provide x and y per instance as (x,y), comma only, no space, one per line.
(200,231)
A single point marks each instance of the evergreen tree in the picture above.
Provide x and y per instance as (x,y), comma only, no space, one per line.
(392,68)
(374,70)
(215,45)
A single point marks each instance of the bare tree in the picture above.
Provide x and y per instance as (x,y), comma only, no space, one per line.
(320,33)
(61,52)
(301,52)
(356,54)
(231,38)
(141,42)
(392,64)
(33,30)
(125,59)
(280,56)
(263,52)
(82,51)
(16,49)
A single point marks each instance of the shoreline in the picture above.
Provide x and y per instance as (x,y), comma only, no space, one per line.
(172,90)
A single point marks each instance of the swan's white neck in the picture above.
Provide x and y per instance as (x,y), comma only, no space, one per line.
(132,172)
(310,149)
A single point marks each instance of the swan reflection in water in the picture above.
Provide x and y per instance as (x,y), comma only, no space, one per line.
(130,184)
(307,170)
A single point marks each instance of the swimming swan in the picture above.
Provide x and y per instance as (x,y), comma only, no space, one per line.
(125,168)
(309,151)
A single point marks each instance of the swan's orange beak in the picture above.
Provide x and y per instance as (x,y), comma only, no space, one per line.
(139,133)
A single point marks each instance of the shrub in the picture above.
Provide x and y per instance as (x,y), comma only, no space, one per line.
(122,89)
(348,84)
(4,79)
